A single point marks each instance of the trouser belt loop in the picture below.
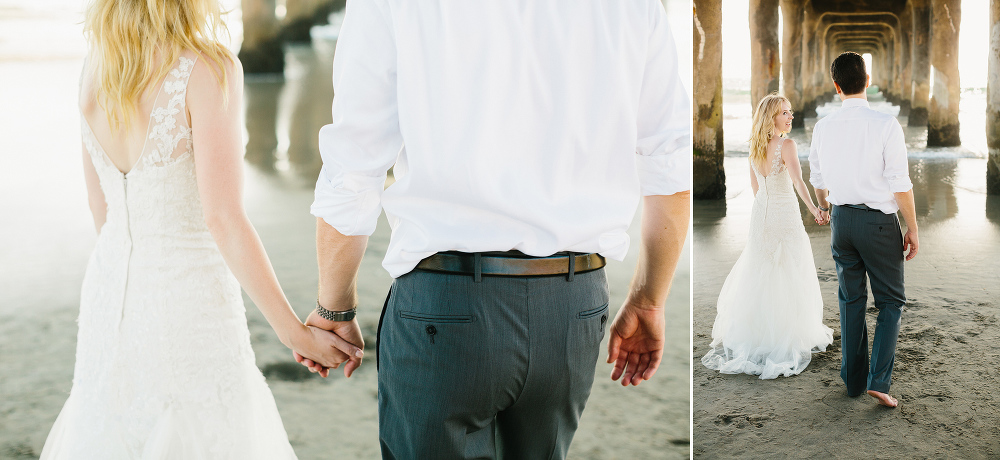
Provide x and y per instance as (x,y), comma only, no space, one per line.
(478,270)
(572,266)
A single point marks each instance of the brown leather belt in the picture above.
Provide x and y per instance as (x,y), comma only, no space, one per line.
(511,263)
(863,207)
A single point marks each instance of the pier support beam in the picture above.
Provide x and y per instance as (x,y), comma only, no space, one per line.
(920,67)
(709,150)
(905,53)
(261,51)
(993,103)
(791,59)
(765,64)
(942,113)
(812,87)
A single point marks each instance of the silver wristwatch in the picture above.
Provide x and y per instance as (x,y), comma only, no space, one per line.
(328,315)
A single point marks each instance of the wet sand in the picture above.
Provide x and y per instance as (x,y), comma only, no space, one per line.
(947,369)
(47,237)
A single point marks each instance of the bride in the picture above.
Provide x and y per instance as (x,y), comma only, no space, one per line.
(770,311)
(164,367)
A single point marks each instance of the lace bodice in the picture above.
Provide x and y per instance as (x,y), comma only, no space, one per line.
(164,367)
(775,210)
(777,164)
(167,125)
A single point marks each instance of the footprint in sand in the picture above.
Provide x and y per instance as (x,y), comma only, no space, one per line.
(742,420)
(984,319)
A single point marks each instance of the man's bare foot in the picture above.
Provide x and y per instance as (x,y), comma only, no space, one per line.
(883,398)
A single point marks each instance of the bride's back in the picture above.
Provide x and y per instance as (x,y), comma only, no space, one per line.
(134,45)
(123,144)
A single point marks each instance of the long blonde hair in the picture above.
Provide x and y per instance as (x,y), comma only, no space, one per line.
(128,36)
(763,127)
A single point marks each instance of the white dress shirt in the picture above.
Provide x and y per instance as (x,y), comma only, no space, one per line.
(533,125)
(859,155)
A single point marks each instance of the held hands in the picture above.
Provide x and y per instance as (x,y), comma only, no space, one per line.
(340,342)
(820,216)
(636,344)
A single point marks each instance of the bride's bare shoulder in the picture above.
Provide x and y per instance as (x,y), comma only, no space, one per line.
(787,146)
(88,92)
(204,84)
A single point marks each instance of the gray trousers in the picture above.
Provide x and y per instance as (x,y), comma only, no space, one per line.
(500,368)
(867,243)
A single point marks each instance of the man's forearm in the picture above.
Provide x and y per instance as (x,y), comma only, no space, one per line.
(906,207)
(821,194)
(339,257)
(665,221)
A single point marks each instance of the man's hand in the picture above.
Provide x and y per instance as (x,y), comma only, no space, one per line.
(910,242)
(348,331)
(817,215)
(636,344)
(908,210)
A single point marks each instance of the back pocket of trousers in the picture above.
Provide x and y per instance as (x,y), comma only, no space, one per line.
(430,318)
(592,312)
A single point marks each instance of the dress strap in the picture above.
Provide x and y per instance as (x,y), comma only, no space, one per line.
(776,163)
(168,120)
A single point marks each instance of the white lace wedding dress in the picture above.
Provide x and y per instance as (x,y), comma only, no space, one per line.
(770,311)
(164,368)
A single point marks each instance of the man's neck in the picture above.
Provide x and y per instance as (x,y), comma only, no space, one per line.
(862,95)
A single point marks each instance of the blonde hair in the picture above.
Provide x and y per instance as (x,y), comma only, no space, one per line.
(763,127)
(128,36)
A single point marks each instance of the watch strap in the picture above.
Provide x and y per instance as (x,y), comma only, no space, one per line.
(329,315)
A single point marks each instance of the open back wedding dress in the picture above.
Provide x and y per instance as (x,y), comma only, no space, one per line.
(770,311)
(164,368)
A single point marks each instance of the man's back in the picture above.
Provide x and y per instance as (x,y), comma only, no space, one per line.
(523,125)
(859,154)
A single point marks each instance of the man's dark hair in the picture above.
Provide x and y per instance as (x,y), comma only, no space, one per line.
(848,72)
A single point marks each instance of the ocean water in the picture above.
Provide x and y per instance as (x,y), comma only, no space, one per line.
(738,118)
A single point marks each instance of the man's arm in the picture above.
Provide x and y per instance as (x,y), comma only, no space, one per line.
(897,173)
(664,164)
(357,148)
(637,337)
(816,175)
(339,257)
(908,210)
(821,194)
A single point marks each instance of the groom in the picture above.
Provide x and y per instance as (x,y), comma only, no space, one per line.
(522,136)
(858,165)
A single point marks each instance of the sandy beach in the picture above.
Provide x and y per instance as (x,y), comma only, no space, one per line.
(47,235)
(947,369)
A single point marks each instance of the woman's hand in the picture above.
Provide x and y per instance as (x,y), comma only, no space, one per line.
(817,215)
(323,347)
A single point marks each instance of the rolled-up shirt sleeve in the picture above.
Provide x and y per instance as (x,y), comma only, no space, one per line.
(663,146)
(815,170)
(897,170)
(364,139)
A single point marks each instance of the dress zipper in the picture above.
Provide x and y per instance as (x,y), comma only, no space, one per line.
(128,260)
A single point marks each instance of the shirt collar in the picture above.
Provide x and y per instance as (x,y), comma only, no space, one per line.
(854,102)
